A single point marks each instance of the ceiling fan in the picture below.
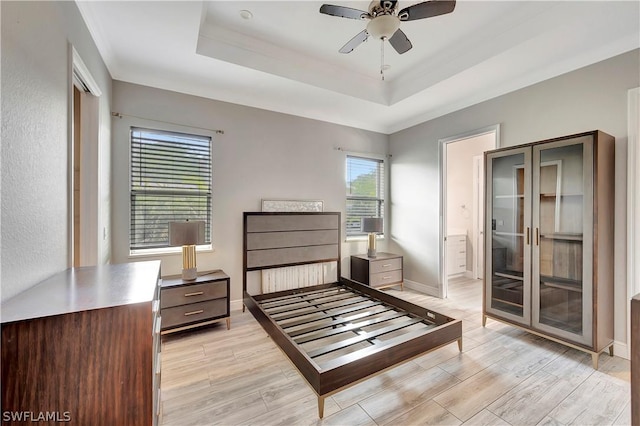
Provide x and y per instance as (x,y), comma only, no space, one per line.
(384,20)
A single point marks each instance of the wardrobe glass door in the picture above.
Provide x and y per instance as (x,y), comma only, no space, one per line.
(507,233)
(562,229)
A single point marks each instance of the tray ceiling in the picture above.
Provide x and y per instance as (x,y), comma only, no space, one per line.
(286,57)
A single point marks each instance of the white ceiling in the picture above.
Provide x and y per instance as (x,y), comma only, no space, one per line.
(286,58)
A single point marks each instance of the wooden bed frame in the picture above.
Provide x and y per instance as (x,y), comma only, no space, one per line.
(340,333)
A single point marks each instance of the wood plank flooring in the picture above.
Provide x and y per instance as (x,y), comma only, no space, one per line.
(504,376)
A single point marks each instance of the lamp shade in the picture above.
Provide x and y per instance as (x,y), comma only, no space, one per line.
(371,225)
(186,233)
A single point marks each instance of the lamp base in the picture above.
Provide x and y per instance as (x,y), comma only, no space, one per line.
(371,248)
(189,274)
(189,271)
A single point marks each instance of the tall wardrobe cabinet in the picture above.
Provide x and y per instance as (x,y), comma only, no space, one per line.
(549,239)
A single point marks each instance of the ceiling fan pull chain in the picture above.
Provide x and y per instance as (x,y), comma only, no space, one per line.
(382,58)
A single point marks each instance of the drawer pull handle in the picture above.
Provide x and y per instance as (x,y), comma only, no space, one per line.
(199,311)
(195,293)
(386,265)
(386,278)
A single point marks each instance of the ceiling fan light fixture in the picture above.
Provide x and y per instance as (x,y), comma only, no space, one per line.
(383,26)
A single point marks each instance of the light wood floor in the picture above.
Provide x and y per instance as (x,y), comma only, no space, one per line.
(504,376)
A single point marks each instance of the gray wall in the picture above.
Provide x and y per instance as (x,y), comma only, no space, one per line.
(261,154)
(35,108)
(593,97)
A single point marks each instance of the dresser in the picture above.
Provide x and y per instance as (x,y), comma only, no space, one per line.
(83,346)
(456,254)
(188,304)
(384,270)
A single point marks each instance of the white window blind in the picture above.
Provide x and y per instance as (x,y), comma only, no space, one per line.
(365,191)
(170,180)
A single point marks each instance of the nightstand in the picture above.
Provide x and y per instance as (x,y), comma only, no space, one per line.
(384,270)
(188,304)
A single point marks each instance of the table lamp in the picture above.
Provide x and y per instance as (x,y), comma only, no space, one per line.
(187,234)
(372,226)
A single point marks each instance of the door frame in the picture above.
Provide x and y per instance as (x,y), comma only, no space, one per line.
(633,209)
(89,236)
(478,216)
(443,287)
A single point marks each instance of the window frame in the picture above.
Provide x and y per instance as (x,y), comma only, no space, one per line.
(385,187)
(162,127)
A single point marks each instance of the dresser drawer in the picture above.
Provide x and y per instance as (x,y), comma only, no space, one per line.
(383,265)
(194,312)
(457,239)
(384,278)
(192,293)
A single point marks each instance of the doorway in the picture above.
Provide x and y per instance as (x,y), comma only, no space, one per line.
(84,165)
(462,205)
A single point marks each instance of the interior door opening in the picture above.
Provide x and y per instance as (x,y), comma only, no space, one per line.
(77,140)
(462,205)
(84,166)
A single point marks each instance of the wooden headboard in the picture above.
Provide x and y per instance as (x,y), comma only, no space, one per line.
(279,239)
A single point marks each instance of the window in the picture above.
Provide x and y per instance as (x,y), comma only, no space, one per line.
(170,180)
(365,191)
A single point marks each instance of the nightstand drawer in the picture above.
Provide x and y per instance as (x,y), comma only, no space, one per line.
(194,312)
(385,278)
(383,265)
(192,294)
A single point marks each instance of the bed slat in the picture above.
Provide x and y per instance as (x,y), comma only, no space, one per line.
(295,295)
(349,327)
(299,298)
(324,309)
(339,321)
(302,304)
(345,360)
(332,315)
(365,337)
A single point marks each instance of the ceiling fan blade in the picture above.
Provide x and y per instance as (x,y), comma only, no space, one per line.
(360,38)
(343,12)
(427,9)
(400,42)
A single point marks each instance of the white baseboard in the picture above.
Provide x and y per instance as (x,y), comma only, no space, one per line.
(421,288)
(236,305)
(621,349)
